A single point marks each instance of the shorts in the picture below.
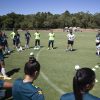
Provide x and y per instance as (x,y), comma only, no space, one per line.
(70,42)
(98,47)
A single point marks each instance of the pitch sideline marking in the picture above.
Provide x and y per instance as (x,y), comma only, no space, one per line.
(47,79)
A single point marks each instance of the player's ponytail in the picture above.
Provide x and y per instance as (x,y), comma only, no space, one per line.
(83,77)
(76,89)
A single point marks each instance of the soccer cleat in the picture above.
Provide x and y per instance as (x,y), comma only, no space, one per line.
(48,48)
(71,49)
(35,48)
(7,78)
(67,49)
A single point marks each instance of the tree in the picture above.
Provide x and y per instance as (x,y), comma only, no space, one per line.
(47,20)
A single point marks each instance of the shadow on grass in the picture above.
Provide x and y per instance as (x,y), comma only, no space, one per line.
(11,72)
(55,47)
(12,51)
(6,57)
(98,64)
(34,46)
(31,47)
(73,50)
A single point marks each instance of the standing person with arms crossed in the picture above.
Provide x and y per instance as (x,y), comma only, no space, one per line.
(83,82)
(51,39)
(37,40)
(27,38)
(23,89)
(12,34)
(71,38)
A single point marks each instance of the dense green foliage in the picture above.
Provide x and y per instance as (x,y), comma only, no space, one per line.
(45,20)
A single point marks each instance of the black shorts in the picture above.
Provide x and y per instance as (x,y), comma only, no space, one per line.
(97,43)
(70,42)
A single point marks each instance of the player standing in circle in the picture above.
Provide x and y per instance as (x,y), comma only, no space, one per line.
(2,63)
(51,39)
(27,38)
(98,43)
(12,34)
(6,46)
(71,38)
(37,40)
(17,40)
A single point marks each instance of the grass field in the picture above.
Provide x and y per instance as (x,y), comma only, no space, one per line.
(57,65)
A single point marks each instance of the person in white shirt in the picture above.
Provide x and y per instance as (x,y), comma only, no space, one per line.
(98,43)
(71,38)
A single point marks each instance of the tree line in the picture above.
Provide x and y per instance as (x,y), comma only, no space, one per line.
(46,20)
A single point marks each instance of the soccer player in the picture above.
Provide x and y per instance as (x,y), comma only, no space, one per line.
(51,39)
(83,82)
(12,34)
(6,46)
(27,37)
(71,38)
(17,41)
(37,40)
(98,43)
(24,89)
(2,64)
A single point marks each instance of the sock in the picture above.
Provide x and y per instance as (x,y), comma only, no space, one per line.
(98,52)
(3,71)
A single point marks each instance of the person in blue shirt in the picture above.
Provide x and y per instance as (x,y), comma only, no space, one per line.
(2,63)
(27,38)
(17,38)
(17,41)
(24,89)
(6,46)
(83,82)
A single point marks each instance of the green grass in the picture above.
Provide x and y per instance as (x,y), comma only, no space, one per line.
(57,64)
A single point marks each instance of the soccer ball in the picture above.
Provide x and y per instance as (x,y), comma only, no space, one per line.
(8,51)
(77,67)
(96,66)
(31,54)
(93,69)
(96,80)
(35,48)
